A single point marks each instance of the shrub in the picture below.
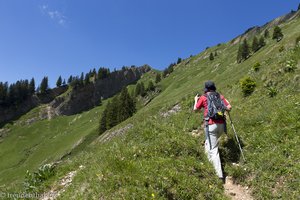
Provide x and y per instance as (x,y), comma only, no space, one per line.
(248,85)
(256,66)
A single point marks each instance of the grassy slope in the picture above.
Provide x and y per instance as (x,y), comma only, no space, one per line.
(156,158)
(29,146)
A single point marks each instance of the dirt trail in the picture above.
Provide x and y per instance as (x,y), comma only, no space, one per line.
(236,192)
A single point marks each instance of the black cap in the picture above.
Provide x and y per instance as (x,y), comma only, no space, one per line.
(209,85)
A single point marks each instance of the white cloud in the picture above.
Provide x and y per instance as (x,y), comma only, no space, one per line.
(55,15)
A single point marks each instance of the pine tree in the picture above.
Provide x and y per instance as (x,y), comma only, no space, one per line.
(157,78)
(137,89)
(126,107)
(211,56)
(262,42)
(112,113)
(245,50)
(165,72)
(81,81)
(239,54)
(143,91)
(87,79)
(64,82)
(3,93)
(59,81)
(44,85)
(70,79)
(103,120)
(299,6)
(150,86)
(32,86)
(277,34)
(171,68)
(179,60)
(266,33)
(255,44)
(216,53)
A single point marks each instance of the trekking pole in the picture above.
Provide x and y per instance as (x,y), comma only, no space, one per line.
(236,137)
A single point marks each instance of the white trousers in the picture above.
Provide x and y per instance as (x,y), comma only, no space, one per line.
(212,150)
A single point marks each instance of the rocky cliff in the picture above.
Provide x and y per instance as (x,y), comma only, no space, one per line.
(84,98)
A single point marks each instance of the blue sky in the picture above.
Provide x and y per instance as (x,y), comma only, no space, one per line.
(66,37)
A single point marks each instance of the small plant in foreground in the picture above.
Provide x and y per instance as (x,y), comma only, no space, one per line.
(290,66)
(272,91)
(281,49)
(33,180)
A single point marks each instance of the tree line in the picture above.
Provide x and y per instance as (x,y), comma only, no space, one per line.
(15,93)
(245,49)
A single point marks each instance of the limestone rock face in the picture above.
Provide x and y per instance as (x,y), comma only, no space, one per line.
(84,98)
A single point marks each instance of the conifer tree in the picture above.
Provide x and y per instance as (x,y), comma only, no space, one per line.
(157,78)
(70,79)
(255,44)
(143,91)
(3,93)
(32,86)
(87,79)
(112,113)
(165,72)
(59,81)
(262,42)
(211,56)
(277,34)
(171,68)
(126,107)
(239,54)
(179,60)
(299,6)
(266,33)
(245,50)
(103,121)
(64,82)
(81,81)
(216,53)
(44,85)
(137,89)
(150,86)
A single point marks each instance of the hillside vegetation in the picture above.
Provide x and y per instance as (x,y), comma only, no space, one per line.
(156,158)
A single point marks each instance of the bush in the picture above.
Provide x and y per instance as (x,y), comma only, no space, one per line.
(256,67)
(248,85)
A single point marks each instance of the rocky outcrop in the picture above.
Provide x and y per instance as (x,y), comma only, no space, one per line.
(84,98)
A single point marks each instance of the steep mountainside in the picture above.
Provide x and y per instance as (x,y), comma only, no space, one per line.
(153,154)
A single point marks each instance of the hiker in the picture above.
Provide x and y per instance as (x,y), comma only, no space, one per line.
(214,125)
